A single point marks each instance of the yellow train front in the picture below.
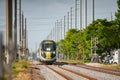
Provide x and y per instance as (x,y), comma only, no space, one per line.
(47,51)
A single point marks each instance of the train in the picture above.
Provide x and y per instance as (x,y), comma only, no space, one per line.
(47,52)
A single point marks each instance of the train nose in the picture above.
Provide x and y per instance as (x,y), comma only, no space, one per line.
(48,55)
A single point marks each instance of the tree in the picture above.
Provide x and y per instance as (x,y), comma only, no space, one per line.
(117,14)
(117,20)
(107,32)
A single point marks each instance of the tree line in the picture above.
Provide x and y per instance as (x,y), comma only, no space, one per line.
(105,36)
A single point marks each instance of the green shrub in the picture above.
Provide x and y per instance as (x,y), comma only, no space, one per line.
(24,66)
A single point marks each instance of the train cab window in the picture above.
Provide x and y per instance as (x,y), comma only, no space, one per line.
(54,46)
(48,46)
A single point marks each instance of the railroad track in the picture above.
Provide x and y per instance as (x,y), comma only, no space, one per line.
(66,71)
(67,77)
(99,69)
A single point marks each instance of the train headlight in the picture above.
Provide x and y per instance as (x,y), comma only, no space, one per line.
(53,52)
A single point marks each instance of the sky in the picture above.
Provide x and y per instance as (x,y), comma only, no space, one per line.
(42,14)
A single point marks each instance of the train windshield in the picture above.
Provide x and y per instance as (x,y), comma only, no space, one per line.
(48,47)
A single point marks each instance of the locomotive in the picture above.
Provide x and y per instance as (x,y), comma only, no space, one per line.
(47,51)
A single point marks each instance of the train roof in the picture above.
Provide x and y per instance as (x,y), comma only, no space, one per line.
(48,41)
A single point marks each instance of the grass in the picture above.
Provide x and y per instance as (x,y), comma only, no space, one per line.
(18,67)
(73,61)
(118,66)
(81,61)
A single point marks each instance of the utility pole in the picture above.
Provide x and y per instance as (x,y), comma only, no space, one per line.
(22,25)
(76,14)
(93,10)
(25,28)
(27,50)
(61,29)
(58,30)
(19,29)
(15,27)
(1,57)
(22,34)
(25,31)
(9,36)
(55,32)
(71,18)
(80,14)
(51,35)
(8,26)
(93,25)
(68,21)
(85,13)
(64,27)
(91,46)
